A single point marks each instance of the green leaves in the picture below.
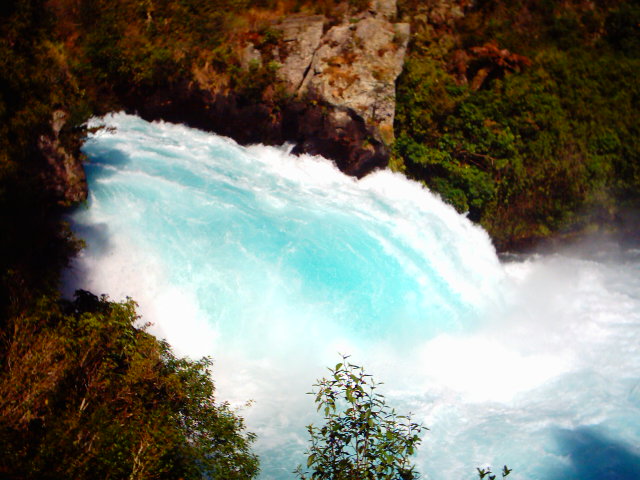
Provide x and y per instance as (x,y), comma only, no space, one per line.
(486,472)
(86,395)
(551,147)
(362,438)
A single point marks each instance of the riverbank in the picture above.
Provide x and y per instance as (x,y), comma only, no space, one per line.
(521,116)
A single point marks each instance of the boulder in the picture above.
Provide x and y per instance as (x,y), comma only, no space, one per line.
(345,80)
(65,178)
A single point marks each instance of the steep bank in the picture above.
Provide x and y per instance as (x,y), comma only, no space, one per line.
(330,88)
(520,115)
(523,114)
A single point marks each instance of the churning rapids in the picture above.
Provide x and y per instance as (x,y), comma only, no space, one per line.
(273,264)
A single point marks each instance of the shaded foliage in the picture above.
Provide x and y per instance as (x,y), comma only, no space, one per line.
(549,146)
(86,394)
(34,82)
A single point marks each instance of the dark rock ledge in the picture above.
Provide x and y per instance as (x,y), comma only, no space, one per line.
(63,174)
(337,98)
(340,88)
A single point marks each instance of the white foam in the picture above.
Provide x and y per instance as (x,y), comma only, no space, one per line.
(551,342)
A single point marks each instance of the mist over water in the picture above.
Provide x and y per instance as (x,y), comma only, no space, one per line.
(272,264)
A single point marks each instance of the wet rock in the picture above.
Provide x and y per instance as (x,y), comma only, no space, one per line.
(65,176)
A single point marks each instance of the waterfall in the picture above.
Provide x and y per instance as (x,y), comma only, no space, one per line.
(274,264)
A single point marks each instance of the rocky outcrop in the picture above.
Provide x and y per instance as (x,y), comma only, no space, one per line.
(336,80)
(66,178)
(356,67)
(350,73)
(301,35)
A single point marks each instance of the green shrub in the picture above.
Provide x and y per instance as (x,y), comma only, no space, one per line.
(623,28)
(361,437)
(547,148)
(86,394)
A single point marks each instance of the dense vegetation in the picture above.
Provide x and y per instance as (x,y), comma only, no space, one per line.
(86,394)
(524,114)
(84,391)
(33,242)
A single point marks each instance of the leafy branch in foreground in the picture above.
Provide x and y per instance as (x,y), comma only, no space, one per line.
(482,473)
(362,437)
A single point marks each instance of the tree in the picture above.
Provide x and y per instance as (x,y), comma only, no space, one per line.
(362,437)
(86,394)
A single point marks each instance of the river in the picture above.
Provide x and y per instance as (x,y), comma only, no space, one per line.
(274,265)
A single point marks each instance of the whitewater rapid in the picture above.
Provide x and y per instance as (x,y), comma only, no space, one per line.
(274,264)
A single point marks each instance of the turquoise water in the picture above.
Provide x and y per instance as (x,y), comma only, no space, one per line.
(272,264)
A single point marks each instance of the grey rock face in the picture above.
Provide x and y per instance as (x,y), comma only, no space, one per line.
(300,39)
(354,65)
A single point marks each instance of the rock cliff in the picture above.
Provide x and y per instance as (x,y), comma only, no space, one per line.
(336,84)
(64,176)
(355,67)
(350,73)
